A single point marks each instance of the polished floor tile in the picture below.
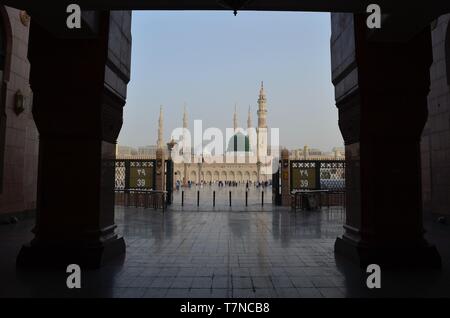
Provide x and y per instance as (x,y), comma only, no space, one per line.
(240,254)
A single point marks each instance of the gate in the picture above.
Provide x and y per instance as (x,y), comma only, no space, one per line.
(324,179)
(317,175)
(135,181)
(169,181)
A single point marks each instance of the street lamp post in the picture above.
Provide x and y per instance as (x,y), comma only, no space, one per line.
(170,173)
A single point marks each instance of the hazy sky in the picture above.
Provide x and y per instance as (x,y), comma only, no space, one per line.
(212,60)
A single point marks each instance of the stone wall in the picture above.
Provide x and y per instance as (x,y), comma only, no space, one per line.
(435,145)
(21,141)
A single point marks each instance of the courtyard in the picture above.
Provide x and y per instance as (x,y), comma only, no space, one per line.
(231,254)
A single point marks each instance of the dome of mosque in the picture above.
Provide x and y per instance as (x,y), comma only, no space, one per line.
(238,143)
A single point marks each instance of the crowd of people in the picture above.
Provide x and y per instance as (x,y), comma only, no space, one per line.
(226,183)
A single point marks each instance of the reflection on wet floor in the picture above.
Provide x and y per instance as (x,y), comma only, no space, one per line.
(223,254)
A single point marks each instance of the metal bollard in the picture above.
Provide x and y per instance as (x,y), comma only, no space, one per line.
(214,198)
(230,198)
(182,198)
(198,197)
(262,198)
(246,198)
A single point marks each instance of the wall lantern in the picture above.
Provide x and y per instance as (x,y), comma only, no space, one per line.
(19,102)
(234,5)
(24,18)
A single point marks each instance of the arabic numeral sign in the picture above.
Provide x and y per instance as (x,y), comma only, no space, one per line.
(141,177)
(304,178)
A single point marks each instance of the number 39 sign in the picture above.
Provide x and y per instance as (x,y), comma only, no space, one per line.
(304,178)
(141,177)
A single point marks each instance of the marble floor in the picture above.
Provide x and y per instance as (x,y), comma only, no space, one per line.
(248,254)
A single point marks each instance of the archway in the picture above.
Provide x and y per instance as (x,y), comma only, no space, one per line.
(208,176)
(376,64)
(239,177)
(216,176)
(223,176)
(178,176)
(193,176)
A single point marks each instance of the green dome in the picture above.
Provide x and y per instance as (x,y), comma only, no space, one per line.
(238,143)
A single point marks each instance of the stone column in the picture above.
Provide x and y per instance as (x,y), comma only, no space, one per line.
(285,178)
(381,94)
(79,87)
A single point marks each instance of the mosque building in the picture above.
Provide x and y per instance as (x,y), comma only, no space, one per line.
(246,158)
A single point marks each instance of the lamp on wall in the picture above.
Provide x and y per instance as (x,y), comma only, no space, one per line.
(24,18)
(19,102)
(234,5)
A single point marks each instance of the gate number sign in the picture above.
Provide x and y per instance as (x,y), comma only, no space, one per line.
(304,178)
(141,177)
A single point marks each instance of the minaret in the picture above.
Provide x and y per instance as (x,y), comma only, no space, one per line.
(185,126)
(262,108)
(160,142)
(249,129)
(185,117)
(235,120)
(261,131)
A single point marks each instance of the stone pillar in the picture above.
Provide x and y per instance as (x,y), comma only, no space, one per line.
(79,87)
(285,178)
(381,94)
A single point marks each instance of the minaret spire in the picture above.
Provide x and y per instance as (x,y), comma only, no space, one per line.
(185,117)
(250,132)
(235,120)
(249,117)
(261,131)
(262,108)
(160,142)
